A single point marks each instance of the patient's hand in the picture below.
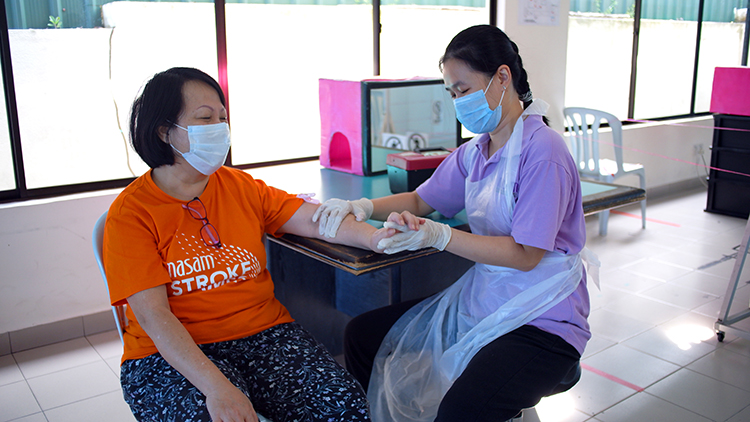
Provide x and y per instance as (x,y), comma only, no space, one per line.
(414,233)
(379,235)
(407,219)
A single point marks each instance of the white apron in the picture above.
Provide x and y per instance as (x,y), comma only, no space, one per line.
(430,345)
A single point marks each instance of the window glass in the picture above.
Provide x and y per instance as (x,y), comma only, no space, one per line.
(276,54)
(666,58)
(600,42)
(722,37)
(74,86)
(414,34)
(7,179)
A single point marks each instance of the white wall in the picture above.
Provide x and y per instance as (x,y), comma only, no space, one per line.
(48,270)
(543,50)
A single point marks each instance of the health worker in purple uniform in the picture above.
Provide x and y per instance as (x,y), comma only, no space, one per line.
(513,328)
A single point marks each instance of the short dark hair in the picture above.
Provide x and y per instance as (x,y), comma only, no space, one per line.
(484,48)
(158,105)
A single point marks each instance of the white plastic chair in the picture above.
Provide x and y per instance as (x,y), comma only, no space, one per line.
(119,311)
(584,141)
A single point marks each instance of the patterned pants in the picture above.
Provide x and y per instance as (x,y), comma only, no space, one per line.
(286,373)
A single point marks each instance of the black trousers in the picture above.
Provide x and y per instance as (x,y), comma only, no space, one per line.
(508,375)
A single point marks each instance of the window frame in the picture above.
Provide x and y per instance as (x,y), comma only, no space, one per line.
(22,193)
(634,63)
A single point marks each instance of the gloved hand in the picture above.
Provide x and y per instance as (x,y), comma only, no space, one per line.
(430,234)
(333,212)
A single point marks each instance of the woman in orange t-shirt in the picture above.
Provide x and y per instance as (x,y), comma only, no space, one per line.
(183,247)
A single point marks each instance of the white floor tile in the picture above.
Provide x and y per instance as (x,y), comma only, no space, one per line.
(721,269)
(623,280)
(614,259)
(680,345)
(107,344)
(644,309)
(645,407)
(108,407)
(56,357)
(702,395)
(619,361)
(698,324)
(742,416)
(702,282)
(710,309)
(114,365)
(9,372)
(17,400)
(638,247)
(680,297)
(596,344)
(732,236)
(616,327)
(71,385)
(657,269)
(739,345)
(594,393)
(686,232)
(601,298)
(36,417)
(664,236)
(725,365)
(557,408)
(683,258)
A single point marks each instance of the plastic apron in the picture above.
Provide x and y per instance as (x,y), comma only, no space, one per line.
(430,346)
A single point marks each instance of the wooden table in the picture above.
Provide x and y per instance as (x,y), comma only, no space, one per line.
(597,196)
(325,285)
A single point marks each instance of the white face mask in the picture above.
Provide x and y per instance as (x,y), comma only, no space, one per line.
(209,146)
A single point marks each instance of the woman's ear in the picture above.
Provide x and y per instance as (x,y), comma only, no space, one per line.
(163,132)
(503,74)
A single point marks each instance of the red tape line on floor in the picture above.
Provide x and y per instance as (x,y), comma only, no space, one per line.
(611,377)
(627,214)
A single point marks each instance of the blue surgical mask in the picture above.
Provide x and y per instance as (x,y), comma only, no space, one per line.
(473,111)
(209,146)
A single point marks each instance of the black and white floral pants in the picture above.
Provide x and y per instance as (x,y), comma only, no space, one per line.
(286,373)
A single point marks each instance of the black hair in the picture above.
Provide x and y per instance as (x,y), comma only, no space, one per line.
(158,105)
(484,48)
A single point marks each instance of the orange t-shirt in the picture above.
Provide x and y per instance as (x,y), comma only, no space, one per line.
(217,294)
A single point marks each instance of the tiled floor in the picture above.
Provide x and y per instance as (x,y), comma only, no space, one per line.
(653,357)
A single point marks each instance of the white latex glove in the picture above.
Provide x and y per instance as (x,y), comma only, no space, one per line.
(333,212)
(430,234)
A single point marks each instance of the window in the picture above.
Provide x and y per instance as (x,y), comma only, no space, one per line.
(78,65)
(721,45)
(414,36)
(146,38)
(598,67)
(74,85)
(414,33)
(276,54)
(664,51)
